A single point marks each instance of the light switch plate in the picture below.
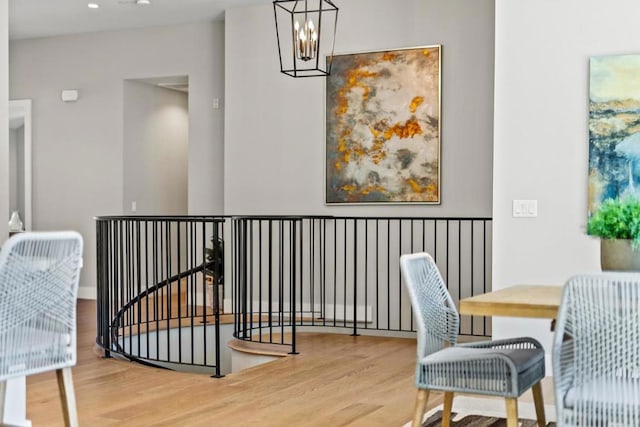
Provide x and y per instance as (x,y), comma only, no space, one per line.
(525,208)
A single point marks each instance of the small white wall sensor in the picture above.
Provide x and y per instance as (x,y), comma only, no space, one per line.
(69,95)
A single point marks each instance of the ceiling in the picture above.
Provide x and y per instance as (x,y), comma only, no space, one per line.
(45,18)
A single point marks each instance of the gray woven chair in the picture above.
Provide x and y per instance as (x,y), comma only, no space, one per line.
(39,275)
(505,368)
(596,351)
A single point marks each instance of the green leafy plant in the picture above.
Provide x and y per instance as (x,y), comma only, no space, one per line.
(617,219)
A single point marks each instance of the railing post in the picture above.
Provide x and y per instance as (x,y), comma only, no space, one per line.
(103,306)
(293,281)
(243,283)
(355,277)
(234,267)
(216,302)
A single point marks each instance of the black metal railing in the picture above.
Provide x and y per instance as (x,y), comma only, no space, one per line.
(343,272)
(158,298)
(273,276)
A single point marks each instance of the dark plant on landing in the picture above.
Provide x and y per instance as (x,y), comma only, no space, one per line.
(214,255)
(617,219)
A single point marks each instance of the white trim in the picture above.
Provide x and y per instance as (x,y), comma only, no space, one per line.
(85,292)
(22,108)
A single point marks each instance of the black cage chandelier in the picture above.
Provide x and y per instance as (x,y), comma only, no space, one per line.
(306,32)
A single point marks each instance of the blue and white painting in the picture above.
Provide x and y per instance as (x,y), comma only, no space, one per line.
(614,128)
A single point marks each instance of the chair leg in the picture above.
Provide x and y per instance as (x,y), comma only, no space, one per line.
(67,396)
(446,410)
(421,403)
(539,403)
(512,412)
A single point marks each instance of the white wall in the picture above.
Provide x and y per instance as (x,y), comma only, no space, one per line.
(541,137)
(274,124)
(156,137)
(78,147)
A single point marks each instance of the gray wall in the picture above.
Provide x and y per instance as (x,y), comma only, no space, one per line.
(274,124)
(156,136)
(4,119)
(273,150)
(78,150)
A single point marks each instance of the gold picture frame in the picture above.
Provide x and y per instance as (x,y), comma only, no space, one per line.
(382,127)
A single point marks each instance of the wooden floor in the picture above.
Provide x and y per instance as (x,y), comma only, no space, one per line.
(336,380)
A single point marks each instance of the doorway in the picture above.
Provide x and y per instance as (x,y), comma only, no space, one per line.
(20,160)
(156,138)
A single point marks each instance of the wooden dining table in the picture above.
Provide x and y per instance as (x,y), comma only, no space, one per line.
(532,301)
(535,301)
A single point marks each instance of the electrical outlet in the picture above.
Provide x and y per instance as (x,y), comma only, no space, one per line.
(134,206)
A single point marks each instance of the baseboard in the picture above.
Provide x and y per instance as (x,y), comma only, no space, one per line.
(87,293)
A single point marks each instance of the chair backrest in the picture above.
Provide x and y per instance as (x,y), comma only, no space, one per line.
(39,275)
(435,312)
(602,314)
(597,339)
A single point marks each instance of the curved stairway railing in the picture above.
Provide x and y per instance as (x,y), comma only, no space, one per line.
(343,273)
(272,277)
(117,320)
(155,305)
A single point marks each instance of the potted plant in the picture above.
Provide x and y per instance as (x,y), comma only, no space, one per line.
(617,223)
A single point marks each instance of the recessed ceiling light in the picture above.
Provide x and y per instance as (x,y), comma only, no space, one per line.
(93,5)
(143,1)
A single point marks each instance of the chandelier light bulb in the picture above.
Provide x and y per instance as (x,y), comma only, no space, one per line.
(306,40)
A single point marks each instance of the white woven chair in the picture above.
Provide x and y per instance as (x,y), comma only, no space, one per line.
(39,275)
(596,351)
(504,368)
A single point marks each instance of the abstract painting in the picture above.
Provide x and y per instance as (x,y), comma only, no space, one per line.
(614,128)
(383,127)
